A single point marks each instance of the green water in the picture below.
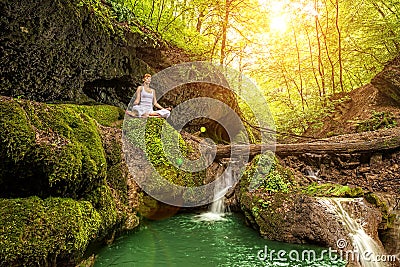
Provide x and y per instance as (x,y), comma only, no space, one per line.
(185,241)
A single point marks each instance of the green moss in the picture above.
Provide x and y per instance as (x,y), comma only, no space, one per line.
(376,201)
(332,190)
(103,202)
(39,232)
(266,174)
(16,135)
(105,115)
(62,151)
(269,211)
(387,218)
(377,121)
(162,144)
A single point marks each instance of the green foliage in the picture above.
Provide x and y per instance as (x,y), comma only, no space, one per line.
(301,66)
(377,121)
(332,190)
(276,182)
(121,10)
(36,232)
(105,18)
(161,21)
(297,121)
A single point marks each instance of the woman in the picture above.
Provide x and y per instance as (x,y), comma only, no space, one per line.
(145,100)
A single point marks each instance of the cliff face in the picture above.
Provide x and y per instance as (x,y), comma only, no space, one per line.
(373,106)
(69,51)
(388,81)
(75,51)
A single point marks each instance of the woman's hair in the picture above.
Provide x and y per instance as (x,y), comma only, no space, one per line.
(146,76)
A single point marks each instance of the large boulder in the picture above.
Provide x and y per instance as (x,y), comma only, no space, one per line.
(69,51)
(48,150)
(64,184)
(327,215)
(388,80)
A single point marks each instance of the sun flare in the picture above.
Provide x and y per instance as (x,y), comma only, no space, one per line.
(278,24)
(281,12)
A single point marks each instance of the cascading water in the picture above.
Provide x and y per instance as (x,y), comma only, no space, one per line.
(217,208)
(365,247)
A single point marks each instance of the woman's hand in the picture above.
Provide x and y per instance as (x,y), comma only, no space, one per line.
(169,108)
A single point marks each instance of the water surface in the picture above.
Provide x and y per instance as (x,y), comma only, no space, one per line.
(185,240)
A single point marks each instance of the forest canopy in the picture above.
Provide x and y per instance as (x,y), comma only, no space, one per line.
(299,52)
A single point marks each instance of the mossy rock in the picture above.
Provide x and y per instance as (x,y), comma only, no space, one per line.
(103,202)
(387,218)
(162,144)
(269,212)
(71,50)
(105,115)
(333,190)
(267,174)
(37,232)
(51,150)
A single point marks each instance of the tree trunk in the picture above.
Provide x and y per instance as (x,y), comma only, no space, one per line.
(339,47)
(321,70)
(377,144)
(224,31)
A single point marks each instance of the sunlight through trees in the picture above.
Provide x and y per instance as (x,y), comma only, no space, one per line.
(300,52)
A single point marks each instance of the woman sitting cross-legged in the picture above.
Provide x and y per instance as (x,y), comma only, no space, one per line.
(145,100)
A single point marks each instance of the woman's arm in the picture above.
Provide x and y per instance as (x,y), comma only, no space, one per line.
(155,100)
(156,103)
(138,96)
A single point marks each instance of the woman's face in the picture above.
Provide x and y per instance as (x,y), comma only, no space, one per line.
(147,80)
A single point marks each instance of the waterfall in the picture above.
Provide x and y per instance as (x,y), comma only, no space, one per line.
(362,242)
(221,187)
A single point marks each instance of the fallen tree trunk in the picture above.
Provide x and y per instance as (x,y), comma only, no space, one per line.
(327,146)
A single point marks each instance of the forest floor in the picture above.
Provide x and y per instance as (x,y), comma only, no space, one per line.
(362,109)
